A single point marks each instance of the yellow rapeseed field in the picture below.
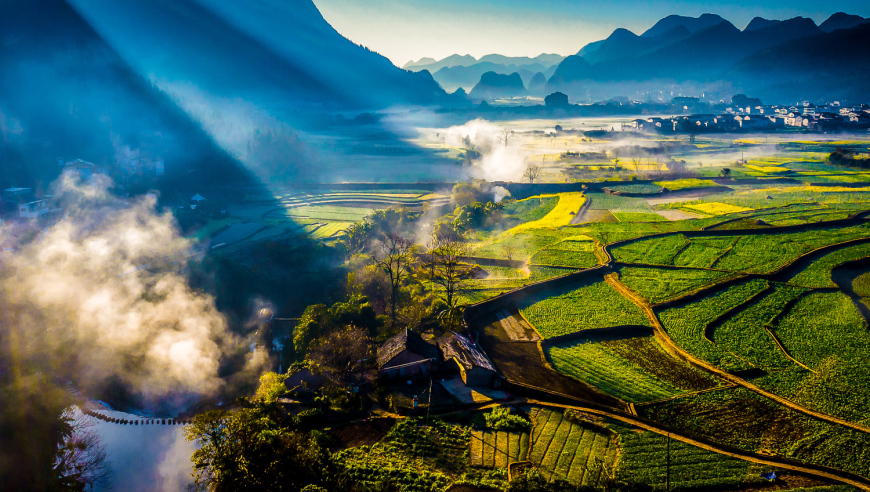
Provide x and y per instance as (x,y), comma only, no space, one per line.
(716,208)
(561,214)
(681,184)
(769,169)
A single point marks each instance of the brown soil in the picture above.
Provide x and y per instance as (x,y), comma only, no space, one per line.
(521,362)
(363,433)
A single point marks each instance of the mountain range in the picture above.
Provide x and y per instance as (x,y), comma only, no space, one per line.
(465,71)
(705,54)
(709,51)
(185,80)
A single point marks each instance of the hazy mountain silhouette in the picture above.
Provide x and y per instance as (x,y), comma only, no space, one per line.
(258,50)
(703,55)
(761,23)
(692,24)
(546,60)
(452,78)
(842,20)
(421,61)
(495,85)
(829,65)
(537,85)
(64,92)
(622,44)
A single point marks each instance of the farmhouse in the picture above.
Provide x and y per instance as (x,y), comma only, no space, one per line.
(474,367)
(406,355)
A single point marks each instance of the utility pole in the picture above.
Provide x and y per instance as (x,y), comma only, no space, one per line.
(668,478)
(429,405)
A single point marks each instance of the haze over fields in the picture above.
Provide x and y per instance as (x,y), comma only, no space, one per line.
(369,246)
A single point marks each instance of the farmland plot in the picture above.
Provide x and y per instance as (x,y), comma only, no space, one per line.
(743,333)
(656,251)
(594,304)
(412,456)
(826,332)
(763,253)
(576,451)
(579,254)
(702,252)
(500,448)
(818,274)
(686,324)
(659,285)
(644,458)
(636,370)
(755,423)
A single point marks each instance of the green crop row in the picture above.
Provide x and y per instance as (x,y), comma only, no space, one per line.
(598,364)
(567,449)
(756,424)
(645,457)
(826,332)
(572,309)
(658,285)
(818,274)
(686,324)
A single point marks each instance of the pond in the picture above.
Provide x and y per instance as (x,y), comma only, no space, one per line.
(145,458)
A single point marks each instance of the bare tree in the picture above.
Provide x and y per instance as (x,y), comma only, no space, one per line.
(81,458)
(447,270)
(532,172)
(506,134)
(396,258)
(509,250)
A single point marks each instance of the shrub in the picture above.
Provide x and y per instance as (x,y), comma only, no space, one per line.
(501,418)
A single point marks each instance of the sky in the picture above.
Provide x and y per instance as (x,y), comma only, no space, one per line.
(403,30)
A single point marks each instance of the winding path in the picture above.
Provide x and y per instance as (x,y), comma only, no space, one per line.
(476,311)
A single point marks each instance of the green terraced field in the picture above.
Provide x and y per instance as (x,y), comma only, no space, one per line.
(686,324)
(658,285)
(818,274)
(573,451)
(826,332)
(635,370)
(590,305)
(498,449)
(568,253)
(644,459)
(741,418)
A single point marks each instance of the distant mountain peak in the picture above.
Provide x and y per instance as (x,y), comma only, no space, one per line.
(761,23)
(493,85)
(842,20)
(693,24)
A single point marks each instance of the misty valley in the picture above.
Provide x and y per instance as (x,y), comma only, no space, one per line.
(248,246)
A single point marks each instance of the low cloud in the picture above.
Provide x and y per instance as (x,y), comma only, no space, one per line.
(498,161)
(100,297)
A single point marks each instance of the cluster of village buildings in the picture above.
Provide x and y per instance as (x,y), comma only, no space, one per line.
(807,116)
(25,203)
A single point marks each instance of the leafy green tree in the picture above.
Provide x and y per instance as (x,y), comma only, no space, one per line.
(725,172)
(248,450)
(314,320)
(319,321)
(271,387)
(463,194)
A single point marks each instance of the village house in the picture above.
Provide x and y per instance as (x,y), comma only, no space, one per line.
(406,355)
(475,367)
(83,169)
